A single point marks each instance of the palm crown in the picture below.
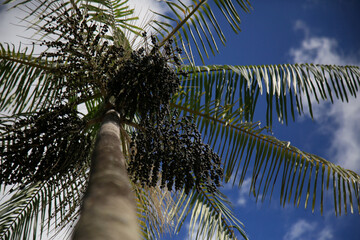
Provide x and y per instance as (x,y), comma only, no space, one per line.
(96,59)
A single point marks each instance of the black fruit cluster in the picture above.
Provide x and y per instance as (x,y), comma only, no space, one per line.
(171,150)
(43,145)
(139,80)
(166,150)
(83,60)
(145,81)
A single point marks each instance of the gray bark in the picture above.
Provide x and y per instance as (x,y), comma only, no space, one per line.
(109,207)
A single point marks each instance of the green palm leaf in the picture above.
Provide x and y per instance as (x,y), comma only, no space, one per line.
(196,24)
(287,87)
(221,98)
(42,207)
(154,207)
(54,202)
(210,215)
(245,148)
(118,15)
(25,80)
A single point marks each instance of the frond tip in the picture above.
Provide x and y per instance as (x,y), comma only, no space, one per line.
(41,208)
(210,215)
(196,24)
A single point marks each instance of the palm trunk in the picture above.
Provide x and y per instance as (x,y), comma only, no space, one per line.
(109,210)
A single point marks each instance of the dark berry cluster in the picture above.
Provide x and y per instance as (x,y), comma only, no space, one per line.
(171,152)
(139,80)
(167,149)
(145,81)
(83,59)
(43,145)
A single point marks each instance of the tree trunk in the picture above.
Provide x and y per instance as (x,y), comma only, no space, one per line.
(109,207)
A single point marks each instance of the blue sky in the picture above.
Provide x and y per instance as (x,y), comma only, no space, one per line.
(276,32)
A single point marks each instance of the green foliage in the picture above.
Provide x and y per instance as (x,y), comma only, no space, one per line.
(43,207)
(287,87)
(210,212)
(25,79)
(45,141)
(196,24)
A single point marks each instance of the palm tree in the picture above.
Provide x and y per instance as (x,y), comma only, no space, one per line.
(107,96)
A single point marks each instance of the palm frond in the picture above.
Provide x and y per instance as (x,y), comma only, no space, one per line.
(118,15)
(196,24)
(245,148)
(25,80)
(115,14)
(35,11)
(42,208)
(154,205)
(288,87)
(209,213)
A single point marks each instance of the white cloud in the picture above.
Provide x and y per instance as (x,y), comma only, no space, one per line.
(298,230)
(244,193)
(11,30)
(325,234)
(322,50)
(300,25)
(340,120)
(303,230)
(143,7)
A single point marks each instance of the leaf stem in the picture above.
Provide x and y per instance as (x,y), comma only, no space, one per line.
(178,26)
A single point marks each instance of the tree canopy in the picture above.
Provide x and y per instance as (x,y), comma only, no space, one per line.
(186,129)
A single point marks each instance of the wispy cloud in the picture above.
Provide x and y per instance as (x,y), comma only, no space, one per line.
(243,195)
(339,120)
(299,230)
(303,230)
(325,234)
(321,50)
(142,7)
(243,192)
(144,10)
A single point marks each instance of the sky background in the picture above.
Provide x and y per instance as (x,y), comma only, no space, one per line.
(277,32)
